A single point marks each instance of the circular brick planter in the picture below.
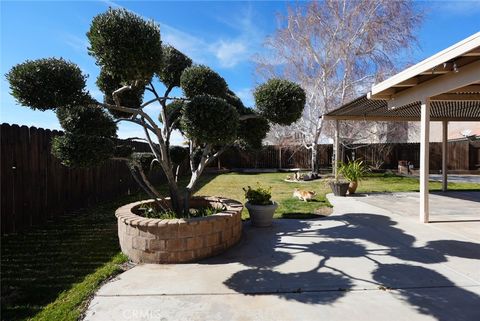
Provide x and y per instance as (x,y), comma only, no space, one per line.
(149,240)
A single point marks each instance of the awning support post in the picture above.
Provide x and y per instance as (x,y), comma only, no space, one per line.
(336,152)
(424,159)
(444,155)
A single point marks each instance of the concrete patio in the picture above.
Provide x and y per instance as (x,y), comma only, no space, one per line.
(363,262)
(457,212)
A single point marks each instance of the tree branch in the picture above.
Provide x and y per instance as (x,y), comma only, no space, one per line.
(249,116)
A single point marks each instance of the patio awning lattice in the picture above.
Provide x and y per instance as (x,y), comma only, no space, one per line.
(363,108)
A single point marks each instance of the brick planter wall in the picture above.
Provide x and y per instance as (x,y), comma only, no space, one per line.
(148,240)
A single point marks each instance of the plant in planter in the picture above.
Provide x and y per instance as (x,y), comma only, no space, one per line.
(260,206)
(338,185)
(134,67)
(353,171)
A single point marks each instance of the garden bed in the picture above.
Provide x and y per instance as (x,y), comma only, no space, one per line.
(151,240)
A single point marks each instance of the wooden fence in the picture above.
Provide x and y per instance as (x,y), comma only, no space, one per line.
(462,155)
(35,186)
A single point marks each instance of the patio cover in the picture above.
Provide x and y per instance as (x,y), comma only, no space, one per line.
(444,87)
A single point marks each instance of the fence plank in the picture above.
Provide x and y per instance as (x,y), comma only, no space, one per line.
(35,186)
(462,156)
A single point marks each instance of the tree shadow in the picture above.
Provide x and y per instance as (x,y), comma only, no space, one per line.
(462,249)
(349,236)
(435,296)
(301,215)
(466,194)
(258,281)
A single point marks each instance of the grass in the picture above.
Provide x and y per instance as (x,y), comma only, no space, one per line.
(50,272)
(230,185)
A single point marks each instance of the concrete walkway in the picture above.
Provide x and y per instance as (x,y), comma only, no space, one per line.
(457,212)
(361,263)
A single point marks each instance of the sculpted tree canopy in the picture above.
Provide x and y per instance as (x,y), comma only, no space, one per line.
(336,49)
(47,84)
(134,67)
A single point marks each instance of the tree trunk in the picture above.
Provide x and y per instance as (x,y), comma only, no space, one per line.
(175,197)
(280,157)
(314,161)
(186,202)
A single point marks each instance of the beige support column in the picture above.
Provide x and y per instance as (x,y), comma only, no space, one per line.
(424,159)
(444,155)
(336,148)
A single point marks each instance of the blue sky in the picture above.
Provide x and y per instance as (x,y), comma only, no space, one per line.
(222,34)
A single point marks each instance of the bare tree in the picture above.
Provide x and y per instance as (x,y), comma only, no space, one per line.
(336,49)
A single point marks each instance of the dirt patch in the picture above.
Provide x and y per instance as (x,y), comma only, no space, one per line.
(324,211)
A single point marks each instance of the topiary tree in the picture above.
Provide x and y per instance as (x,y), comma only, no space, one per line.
(133,62)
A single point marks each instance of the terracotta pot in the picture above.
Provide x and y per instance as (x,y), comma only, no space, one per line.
(352,187)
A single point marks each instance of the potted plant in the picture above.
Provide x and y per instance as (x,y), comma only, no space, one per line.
(260,206)
(339,186)
(353,171)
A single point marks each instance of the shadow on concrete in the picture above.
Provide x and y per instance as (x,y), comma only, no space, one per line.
(467,195)
(453,221)
(262,251)
(443,300)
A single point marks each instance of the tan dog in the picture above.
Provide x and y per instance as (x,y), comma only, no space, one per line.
(304,195)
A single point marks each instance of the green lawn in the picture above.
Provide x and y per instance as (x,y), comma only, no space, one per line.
(49,272)
(230,185)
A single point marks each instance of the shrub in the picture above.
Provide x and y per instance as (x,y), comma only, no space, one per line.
(173,111)
(86,121)
(251,132)
(174,63)
(132,98)
(280,101)
(125,45)
(201,80)
(82,150)
(259,195)
(353,170)
(47,83)
(209,119)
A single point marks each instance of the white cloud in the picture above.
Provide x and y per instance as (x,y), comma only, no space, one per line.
(226,52)
(229,54)
(194,47)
